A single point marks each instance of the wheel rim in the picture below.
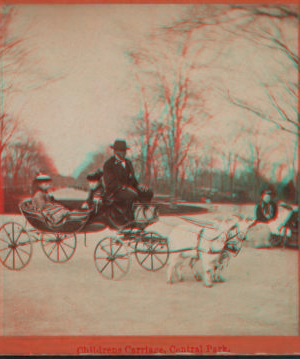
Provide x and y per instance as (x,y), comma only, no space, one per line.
(152,251)
(59,247)
(15,246)
(112,258)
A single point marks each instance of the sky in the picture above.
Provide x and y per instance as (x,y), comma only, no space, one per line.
(89,95)
(94,98)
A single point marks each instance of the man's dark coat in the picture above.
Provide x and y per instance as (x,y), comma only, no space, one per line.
(116,176)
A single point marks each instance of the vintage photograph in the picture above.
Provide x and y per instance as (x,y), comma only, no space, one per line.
(149,161)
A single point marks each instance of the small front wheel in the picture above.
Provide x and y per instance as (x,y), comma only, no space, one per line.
(15,246)
(112,258)
(152,251)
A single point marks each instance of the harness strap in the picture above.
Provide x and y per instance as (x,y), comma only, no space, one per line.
(198,241)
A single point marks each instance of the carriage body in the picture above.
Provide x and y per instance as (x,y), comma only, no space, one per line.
(112,254)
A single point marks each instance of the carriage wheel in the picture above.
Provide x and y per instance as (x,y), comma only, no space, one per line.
(112,258)
(58,247)
(152,251)
(15,246)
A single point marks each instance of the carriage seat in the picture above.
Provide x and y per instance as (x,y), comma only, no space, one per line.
(74,222)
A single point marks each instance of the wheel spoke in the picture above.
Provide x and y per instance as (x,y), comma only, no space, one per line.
(145,258)
(1,239)
(158,258)
(63,250)
(151,261)
(105,250)
(104,266)
(21,249)
(8,235)
(119,266)
(49,253)
(13,258)
(20,258)
(4,249)
(13,232)
(112,269)
(21,231)
(111,250)
(66,244)
(120,246)
(58,251)
(7,255)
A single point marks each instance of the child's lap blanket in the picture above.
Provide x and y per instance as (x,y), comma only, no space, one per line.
(57,216)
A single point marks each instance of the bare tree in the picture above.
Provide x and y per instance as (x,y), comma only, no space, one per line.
(21,160)
(19,71)
(148,130)
(165,66)
(269,28)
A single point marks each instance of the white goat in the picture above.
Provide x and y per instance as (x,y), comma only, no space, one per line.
(213,243)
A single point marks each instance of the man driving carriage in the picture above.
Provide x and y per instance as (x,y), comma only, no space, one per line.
(120,181)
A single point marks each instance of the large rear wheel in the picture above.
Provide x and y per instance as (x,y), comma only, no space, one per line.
(15,246)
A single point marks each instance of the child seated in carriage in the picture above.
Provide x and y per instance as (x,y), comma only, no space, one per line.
(96,195)
(54,212)
(96,192)
(40,196)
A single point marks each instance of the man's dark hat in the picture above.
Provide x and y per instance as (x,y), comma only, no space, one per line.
(94,176)
(120,145)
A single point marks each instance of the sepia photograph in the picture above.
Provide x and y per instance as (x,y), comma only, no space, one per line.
(149,173)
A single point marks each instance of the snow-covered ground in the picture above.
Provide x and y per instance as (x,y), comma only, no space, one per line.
(259,297)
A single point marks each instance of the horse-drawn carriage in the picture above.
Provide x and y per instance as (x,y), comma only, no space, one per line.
(112,255)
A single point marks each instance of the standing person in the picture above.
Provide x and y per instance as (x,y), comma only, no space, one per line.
(266,209)
(120,180)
